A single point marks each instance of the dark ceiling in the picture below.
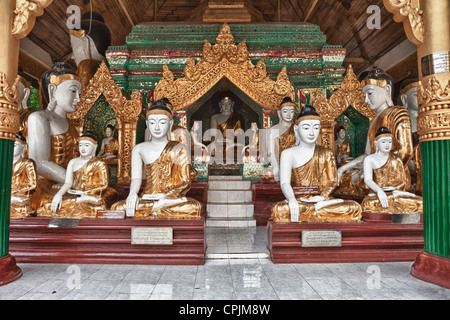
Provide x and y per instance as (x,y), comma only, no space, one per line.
(342,21)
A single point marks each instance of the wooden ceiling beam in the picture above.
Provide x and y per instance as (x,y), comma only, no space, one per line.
(311,9)
(126,12)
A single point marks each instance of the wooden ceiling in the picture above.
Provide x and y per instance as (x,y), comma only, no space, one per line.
(342,21)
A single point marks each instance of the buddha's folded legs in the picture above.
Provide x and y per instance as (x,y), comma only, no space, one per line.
(399,204)
(21,209)
(71,209)
(345,211)
(188,209)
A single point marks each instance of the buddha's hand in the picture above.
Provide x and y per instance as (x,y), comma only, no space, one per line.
(383,198)
(155,197)
(340,172)
(397,193)
(18,199)
(84,198)
(131,202)
(56,202)
(294,210)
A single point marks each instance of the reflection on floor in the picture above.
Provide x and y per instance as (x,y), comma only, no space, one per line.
(237,268)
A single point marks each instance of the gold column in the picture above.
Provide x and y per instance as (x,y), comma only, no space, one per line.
(17,18)
(427,25)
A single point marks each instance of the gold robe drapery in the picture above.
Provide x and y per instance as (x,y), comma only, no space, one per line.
(171,175)
(320,171)
(23,184)
(92,179)
(392,174)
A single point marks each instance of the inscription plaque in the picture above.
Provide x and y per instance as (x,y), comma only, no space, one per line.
(438,62)
(322,238)
(110,214)
(300,191)
(152,235)
(405,218)
(63,223)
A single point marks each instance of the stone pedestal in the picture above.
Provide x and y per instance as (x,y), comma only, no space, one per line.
(229,202)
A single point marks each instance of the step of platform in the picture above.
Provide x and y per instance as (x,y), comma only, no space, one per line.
(230,222)
(235,210)
(229,196)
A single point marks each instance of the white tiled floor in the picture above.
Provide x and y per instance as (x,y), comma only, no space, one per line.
(223,278)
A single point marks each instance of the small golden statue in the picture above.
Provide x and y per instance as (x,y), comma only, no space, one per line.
(384,173)
(86,185)
(342,147)
(24,180)
(167,173)
(313,169)
(110,146)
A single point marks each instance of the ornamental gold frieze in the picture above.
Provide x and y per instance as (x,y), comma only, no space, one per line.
(224,59)
(9,116)
(408,12)
(433,122)
(25,15)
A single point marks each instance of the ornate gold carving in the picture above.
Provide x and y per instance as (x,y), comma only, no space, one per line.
(433,122)
(408,12)
(127,111)
(9,116)
(25,16)
(224,59)
(348,94)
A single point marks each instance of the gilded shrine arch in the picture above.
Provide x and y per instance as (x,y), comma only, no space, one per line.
(127,111)
(224,59)
(349,94)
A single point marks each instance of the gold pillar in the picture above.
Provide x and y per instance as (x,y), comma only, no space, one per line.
(17,18)
(427,25)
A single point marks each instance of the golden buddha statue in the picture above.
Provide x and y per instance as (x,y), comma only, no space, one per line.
(313,172)
(408,96)
(52,139)
(167,173)
(342,147)
(279,138)
(110,146)
(227,123)
(384,173)
(85,190)
(24,180)
(377,88)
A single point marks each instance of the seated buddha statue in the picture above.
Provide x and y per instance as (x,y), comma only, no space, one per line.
(377,87)
(342,146)
(24,95)
(167,173)
(408,96)
(110,146)
(52,139)
(227,122)
(199,150)
(384,173)
(313,172)
(89,44)
(24,180)
(251,151)
(85,190)
(279,138)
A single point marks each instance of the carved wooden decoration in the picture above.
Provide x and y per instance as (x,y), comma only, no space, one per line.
(224,59)
(127,112)
(349,94)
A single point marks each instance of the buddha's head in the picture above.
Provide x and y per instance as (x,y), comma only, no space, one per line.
(159,120)
(24,89)
(226,105)
(408,93)
(377,89)
(61,88)
(308,125)
(19,145)
(109,131)
(286,110)
(341,133)
(383,140)
(87,144)
(92,39)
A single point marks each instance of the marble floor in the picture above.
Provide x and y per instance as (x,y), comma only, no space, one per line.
(237,268)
